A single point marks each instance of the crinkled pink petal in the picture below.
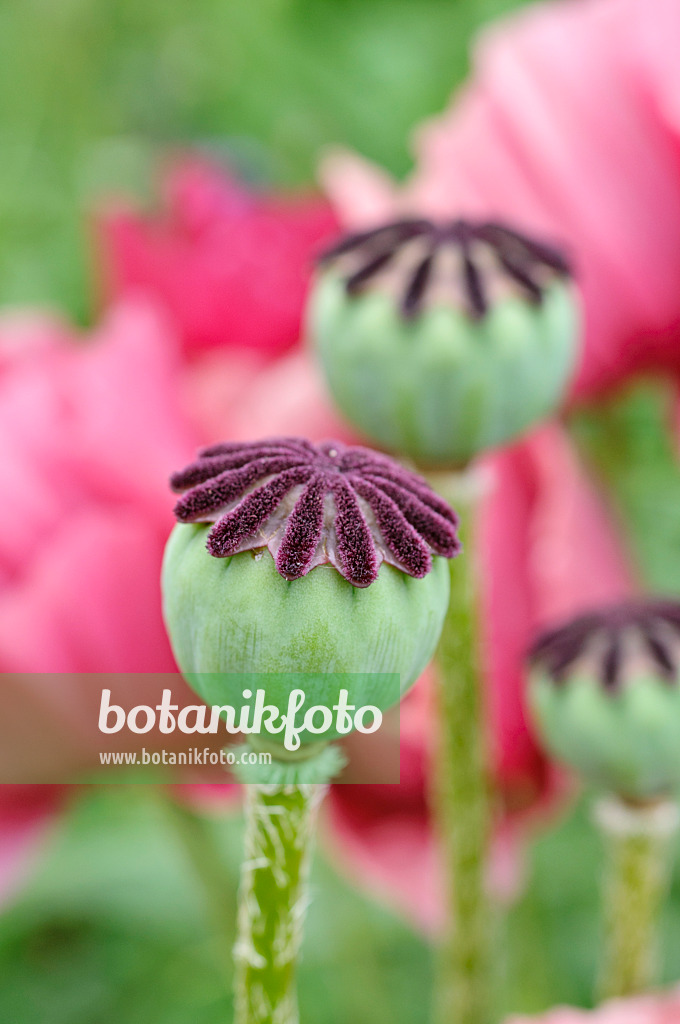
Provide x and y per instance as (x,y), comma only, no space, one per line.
(90,429)
(90,602)
(654,58)
(577,558)
(87,423)
(125,419)
(217,384)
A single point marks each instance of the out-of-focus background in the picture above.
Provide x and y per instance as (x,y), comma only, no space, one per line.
(90,92)
(113,923)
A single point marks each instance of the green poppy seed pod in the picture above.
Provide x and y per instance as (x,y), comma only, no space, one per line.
(605,695)
(296,564)
(440,341)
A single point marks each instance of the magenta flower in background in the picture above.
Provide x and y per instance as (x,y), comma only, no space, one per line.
(230,265)
(661,1008)
(89,431)
(570,128)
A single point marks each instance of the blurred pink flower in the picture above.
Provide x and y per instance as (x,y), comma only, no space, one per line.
(569,127)
(89,432)
(659,1008)
(230,265)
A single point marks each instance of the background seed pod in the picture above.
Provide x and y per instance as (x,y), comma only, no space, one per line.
(626,740)
(442,387)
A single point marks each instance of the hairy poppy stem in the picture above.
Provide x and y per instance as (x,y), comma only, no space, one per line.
(637,876)
(465,990)
(273,899)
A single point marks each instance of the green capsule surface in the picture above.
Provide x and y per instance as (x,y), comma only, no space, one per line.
(443,387)
(236,616)
(625,741)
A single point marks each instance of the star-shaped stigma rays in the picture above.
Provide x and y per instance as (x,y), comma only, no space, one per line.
(487,253)
(645,633)
(316,504)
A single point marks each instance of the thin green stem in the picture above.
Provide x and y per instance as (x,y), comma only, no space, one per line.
(465,990)
(637,876)
(273,899)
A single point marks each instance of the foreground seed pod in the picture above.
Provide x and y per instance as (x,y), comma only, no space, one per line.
(442,340)
(291,558)
(605,695)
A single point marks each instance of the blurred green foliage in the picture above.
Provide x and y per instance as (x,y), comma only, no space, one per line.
(117,926)
(91,91)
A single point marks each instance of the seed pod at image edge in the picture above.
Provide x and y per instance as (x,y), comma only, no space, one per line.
(605,695)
